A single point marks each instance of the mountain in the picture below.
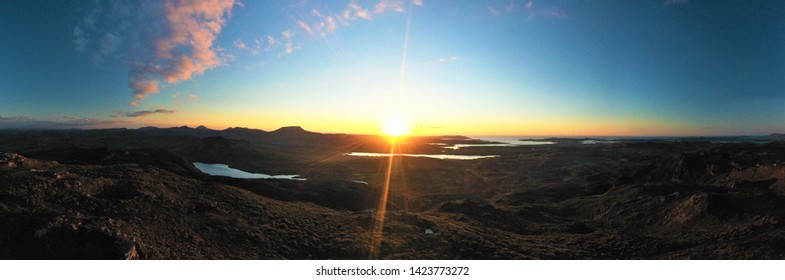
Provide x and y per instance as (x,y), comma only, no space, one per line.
(289,131)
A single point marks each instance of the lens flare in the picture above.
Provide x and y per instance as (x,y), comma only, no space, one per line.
(395,126)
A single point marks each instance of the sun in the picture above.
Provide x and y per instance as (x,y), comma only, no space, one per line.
(395,126)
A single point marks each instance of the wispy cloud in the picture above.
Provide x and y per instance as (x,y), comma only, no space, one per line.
(177,97)
(493,10)
(673,2)
(305,27)
(530,9)
(272,43)
(136,114)
(553,13)
(392,5)
(81,40)
(289,47)
(354,11)
(257,46)
(239,44)
(447,59)
(162,41)
(319,24)
(61,122)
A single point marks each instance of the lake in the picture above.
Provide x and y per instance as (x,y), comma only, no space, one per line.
(436,156)
(217,169)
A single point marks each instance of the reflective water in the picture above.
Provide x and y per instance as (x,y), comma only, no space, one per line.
(217,169)
(439,156)
(591,142)
(501,141)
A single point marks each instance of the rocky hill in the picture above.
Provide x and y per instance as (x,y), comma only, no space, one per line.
(103,197)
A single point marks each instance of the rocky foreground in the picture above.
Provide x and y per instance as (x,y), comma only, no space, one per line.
(605,201)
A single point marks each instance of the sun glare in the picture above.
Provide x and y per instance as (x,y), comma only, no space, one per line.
(395,127)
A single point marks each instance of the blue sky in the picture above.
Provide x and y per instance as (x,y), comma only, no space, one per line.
(670,67)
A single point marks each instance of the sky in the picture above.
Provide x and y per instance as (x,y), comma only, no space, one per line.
(536,68)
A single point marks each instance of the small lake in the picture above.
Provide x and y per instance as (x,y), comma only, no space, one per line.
(507,144)
(217,169)
(458,157)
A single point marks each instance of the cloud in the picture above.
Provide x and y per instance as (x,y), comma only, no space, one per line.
(85,28)
(324,24)
(393,5)
(136,114)
(447,59)
(178,99)
(674,2)
(143,87)
(553,13)
(289,49)
(272,43)
(257,46)
(80,41)
(331,25)
(493,10)
(62,122)
(354,11)
(193,26)
(287,34)
(160,41)
(531,10)
(239,44)
(305,27)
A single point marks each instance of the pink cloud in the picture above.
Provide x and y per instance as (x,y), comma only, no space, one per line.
(143,87)
(305,27)
(354,11)
(325,26)
(187,49)
(331,25)
(287,34)
(239,44)
(193,25)
(289,49)
(393,5)
(272,43)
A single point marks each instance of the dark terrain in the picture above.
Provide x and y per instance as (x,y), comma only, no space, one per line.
(134,194)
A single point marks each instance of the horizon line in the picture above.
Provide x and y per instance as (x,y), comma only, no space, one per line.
(380,134)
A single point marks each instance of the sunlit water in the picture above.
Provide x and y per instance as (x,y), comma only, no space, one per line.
(217,169)
(591,142)
(501,141)
(436,156)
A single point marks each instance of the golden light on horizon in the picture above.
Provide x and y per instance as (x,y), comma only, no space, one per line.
(395,126)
